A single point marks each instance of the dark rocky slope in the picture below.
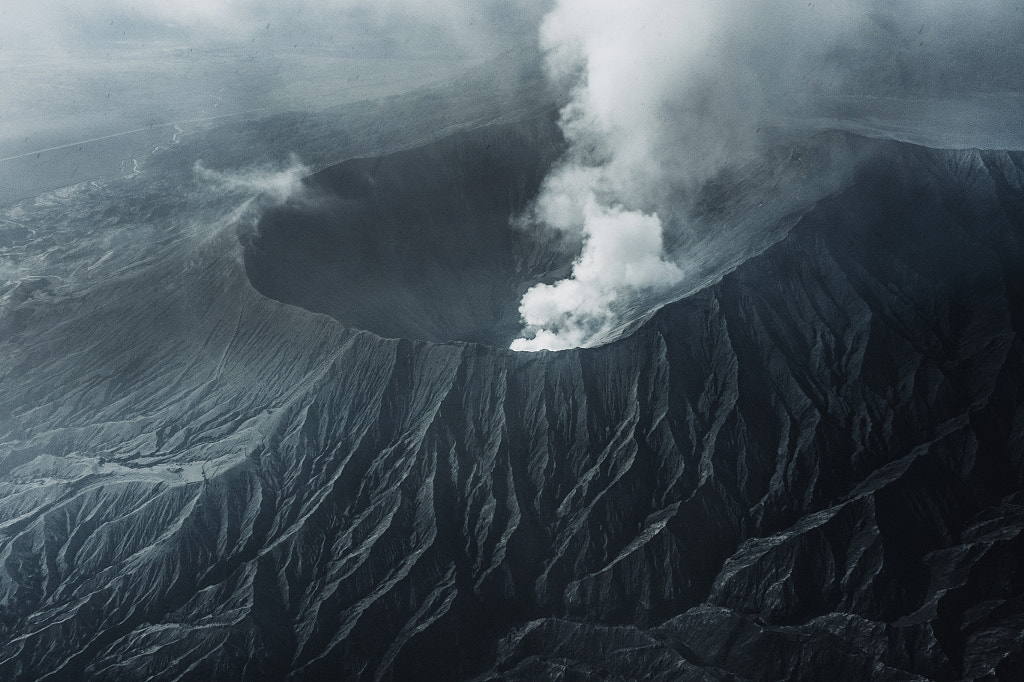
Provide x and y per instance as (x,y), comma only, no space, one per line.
(811,470)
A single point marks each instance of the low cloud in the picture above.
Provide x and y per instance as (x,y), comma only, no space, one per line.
(668,97)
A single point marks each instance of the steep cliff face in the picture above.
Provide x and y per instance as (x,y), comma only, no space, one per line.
(810,470)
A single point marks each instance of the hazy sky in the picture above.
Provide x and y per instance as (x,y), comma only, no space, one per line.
(74,68)
(458,27)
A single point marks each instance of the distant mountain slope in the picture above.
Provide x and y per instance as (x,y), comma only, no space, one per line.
(810,470)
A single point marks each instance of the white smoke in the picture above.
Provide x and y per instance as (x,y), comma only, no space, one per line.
(623,252)
(666,95)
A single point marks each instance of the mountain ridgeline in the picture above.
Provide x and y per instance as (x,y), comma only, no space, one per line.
(809,470)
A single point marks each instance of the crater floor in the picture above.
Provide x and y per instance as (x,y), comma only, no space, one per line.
(417,244)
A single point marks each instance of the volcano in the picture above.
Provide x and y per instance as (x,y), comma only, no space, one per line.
(299,449)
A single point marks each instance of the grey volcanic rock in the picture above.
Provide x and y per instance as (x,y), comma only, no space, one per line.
(810,470)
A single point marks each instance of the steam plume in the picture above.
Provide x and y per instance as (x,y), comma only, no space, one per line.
(668,95)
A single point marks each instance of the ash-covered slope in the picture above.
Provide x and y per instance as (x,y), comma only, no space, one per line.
(811,470)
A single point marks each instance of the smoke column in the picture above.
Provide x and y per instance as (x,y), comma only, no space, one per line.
(667,95)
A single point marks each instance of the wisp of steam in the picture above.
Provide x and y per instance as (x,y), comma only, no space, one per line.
(278,185)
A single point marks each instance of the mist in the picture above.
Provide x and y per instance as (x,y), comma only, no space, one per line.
(76,70)
(665,97)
